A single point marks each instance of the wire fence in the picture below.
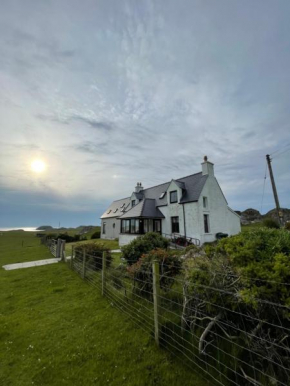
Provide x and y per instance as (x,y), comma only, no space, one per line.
(233,340)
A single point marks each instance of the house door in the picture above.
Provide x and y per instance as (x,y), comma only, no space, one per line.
(157,226)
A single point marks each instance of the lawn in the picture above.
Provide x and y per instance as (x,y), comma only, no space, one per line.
(57,330)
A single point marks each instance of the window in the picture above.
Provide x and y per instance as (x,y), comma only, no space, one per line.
(130,226)
(122,206)
(125,228)
(162,195)
(175,224)
(133,203)
(206,223)
(116,210)
(204,199)
(109,211)
(173,197)
(114,225)
(134,226)
(146,225)
(104,228)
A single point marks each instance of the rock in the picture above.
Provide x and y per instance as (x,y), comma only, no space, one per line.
(250,215)
(273,214)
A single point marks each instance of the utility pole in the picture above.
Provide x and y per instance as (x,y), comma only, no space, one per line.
(279,212)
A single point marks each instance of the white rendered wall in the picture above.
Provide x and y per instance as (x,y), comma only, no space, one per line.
(111,231)
(125,239)
(221,218)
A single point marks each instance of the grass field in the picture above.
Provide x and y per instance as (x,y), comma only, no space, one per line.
(57,330)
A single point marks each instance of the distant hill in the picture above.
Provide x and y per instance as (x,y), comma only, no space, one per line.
(44,228)
(251,215)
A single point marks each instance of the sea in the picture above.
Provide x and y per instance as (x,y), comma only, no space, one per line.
(26,229)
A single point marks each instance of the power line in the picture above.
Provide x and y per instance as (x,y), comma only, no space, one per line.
(278,155)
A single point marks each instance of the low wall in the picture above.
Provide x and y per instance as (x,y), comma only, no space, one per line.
(125,239)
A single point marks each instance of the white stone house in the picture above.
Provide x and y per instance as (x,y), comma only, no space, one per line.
(193,207)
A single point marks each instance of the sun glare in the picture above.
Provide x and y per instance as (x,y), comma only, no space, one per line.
(38,166)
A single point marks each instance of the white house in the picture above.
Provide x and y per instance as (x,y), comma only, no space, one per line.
(193,206)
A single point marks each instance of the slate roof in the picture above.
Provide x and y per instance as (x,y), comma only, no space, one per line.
(146,208)
(115,209)
(191,186)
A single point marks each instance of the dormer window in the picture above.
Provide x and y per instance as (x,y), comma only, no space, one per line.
(173,196)
(133,203)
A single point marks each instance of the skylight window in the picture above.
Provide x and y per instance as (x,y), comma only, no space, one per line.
(109,211)
(162,195)
(116,210)
(122,206)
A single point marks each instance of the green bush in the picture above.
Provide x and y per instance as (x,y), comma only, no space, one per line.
(271,223)
(169,266)
(96,235)
(144,244)
(94,253)
(243,283)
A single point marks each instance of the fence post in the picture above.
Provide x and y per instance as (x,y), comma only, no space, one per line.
(58,249)
(104,261)
(156,298)
(62,250)
(72,256)
(84,264)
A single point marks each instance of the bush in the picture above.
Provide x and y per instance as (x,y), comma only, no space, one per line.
(144,244)
(271,223)
(240,283)
(169,265)
(96,235)
(94,253)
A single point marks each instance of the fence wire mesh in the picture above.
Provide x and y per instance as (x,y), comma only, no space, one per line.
(233,339)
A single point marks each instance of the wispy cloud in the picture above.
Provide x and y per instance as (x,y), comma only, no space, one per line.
(142,91)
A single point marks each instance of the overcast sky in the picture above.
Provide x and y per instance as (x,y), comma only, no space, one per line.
(108,93)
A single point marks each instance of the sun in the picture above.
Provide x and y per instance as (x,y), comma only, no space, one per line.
(38,166)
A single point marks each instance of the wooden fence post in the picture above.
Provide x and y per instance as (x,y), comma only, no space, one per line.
(156,298)
(58,249)
(72,257)
(84,264)
(104,261)
(62,250)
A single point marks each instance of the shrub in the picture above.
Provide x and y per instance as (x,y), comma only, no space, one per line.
(94,253)
(169,265)
(144,244)
(271,223)
(240,283)
(96,235)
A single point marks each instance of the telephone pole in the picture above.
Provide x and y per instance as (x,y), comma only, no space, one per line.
(279,212)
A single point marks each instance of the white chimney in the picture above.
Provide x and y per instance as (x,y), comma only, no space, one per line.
(207,167)
(138,187)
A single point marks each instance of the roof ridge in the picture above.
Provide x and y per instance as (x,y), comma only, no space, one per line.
(121,199)
(174,179)
(190,175)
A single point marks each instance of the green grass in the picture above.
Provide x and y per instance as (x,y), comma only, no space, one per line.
(249,227)
(57,330)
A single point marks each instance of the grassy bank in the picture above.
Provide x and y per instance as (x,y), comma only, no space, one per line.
(57,330)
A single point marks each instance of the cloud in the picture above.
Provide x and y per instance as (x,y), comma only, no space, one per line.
(143,92)
(94,124)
